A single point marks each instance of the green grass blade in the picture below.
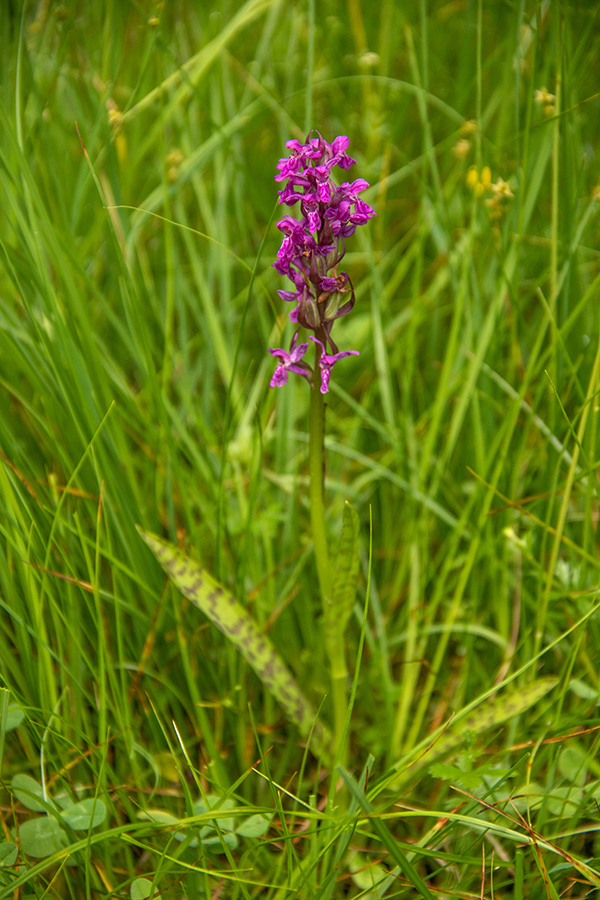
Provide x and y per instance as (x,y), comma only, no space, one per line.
(386,838)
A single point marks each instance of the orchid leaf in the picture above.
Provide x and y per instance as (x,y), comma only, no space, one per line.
(230,617)
(338,607)
(346,573)
(494,712)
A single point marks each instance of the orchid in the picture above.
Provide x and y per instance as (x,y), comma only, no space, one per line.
(313,246)
(310,254)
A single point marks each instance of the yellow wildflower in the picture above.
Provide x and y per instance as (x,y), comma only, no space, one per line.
(468,127)
(115,115)
(173,161)
(500,191)
(461,148)
(479,182)
(175,157)
(544,98)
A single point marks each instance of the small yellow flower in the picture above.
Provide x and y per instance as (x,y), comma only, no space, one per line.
(175,157)
(469,126)
(461,148)
(502,190)
(115,115)
(472,177)
(173,161)
(545,99)
(479,183)
(369,59)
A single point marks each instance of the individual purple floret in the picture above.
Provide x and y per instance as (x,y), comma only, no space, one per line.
(326,362)
(288,362)
(313,246)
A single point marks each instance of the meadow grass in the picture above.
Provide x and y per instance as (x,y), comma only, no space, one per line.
(138,145)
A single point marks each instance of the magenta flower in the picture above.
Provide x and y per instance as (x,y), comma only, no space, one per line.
(362,213)
(352,190)
(341,158)
(288,362)
(327,362)
(313,246)
(300,152)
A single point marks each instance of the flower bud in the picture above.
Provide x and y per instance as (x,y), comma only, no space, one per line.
(308,312)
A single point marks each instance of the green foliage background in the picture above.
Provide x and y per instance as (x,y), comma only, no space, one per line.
(138,144)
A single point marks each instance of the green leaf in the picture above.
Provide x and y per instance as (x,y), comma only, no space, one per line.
(85,815)
(493,713)
(468,780)
(141,889)
(165,818)
(217,841)
(158,815)
(223,610)
(572,763)
(445,772)
(213,802)
(14,717)
(26,791)
(564,801)
(41,837)
(485,776)
(561,801)
(8,853)
(255,826)
(368,876)
(339,609)
(62,800)
(584,690)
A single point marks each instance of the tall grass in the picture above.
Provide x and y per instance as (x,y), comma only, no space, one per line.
(138,145)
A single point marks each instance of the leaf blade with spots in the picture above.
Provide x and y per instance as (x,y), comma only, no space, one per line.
(338,607)
(494,712)
(230,617)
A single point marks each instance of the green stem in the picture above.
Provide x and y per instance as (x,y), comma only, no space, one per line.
(316,468)
(316,471)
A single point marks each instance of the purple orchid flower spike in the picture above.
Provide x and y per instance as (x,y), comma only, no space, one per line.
(313,246)
(288,362)
(327,362)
